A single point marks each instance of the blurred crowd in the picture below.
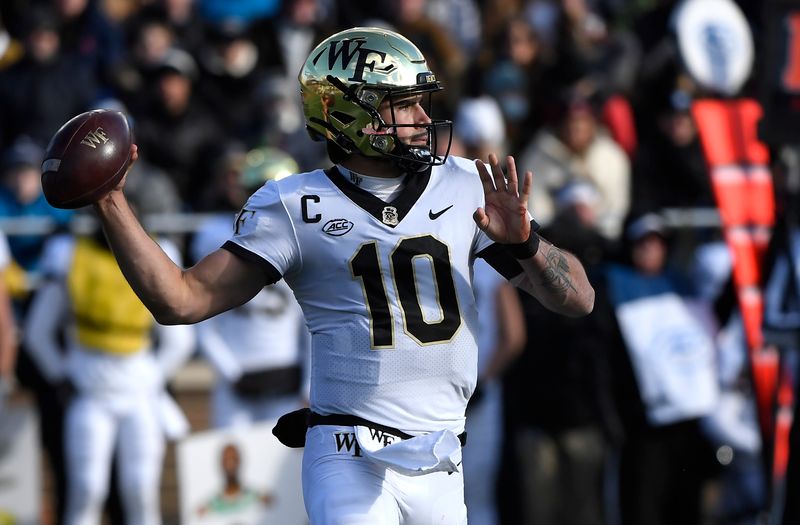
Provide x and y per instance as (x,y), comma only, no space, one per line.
(591,95)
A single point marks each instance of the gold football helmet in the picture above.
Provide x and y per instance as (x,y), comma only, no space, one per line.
(347,77)
(265,164)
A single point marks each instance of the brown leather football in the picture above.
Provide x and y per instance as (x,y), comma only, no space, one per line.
(86,158)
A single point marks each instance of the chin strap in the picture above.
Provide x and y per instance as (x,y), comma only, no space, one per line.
(416,159)
(341,140)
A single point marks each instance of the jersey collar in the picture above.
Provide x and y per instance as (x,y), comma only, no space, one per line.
(388,213)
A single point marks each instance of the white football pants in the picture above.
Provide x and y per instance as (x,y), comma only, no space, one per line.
(340,487)
(98,426)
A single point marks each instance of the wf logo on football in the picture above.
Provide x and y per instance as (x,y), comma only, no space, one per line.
(95,138)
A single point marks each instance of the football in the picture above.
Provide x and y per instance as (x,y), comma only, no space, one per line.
(86,158)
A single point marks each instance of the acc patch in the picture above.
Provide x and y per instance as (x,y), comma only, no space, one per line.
(337,227)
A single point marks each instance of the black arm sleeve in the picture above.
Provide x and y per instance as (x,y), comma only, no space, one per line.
(272,274)
(501,259)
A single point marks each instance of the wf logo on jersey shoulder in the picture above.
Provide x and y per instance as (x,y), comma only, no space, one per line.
(337,227)
(344,51)
(244,214)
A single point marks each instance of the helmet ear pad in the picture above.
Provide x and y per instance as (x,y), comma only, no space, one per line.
(383,143)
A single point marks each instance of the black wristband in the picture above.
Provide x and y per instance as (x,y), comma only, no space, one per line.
(527,249)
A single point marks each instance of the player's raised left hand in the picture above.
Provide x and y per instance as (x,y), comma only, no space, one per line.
(504,218)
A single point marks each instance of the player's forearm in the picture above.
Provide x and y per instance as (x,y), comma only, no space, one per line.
(557,279)
(155,278)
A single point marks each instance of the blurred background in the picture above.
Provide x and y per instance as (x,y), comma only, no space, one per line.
(663,138)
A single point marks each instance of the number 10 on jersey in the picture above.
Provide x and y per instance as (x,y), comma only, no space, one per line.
(365,265)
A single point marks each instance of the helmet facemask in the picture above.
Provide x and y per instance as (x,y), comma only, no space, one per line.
(416,158)
(365,67)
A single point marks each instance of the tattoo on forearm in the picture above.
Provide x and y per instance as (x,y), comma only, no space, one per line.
(555,275)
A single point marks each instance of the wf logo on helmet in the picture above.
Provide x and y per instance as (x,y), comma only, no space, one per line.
(346,50)
(337,227)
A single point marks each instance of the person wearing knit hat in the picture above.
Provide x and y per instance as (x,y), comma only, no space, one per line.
(480,126)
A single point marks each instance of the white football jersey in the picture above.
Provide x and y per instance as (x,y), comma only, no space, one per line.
(386,289)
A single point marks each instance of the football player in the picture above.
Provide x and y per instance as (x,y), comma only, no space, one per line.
(258,350)
(378,251)
(111,371)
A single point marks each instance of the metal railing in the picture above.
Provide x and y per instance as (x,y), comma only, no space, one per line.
(181,223)
(162,223)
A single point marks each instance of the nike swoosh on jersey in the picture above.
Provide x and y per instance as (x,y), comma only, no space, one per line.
(434,216)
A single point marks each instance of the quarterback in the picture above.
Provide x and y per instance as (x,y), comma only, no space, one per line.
(378,251)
